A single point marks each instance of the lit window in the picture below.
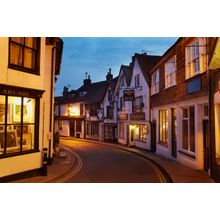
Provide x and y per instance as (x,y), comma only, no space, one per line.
(170,72)
(155,82)
(17,124)
(163,127)
(24,54)
(195,57)
(188,129)
(141,132)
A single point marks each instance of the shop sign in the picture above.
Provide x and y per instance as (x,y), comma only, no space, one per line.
(123,116)
(18,91)
(128,95)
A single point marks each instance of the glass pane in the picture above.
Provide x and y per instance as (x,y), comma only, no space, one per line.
(29,58)
(192,129)
(2,139)
(30,42)
(2,109)
(19,40)
(185,134)
(14,109)
(185,113)
(12,143)
(28,137)
(29,110)
(15,54)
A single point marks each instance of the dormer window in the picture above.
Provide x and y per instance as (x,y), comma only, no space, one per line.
(82,93)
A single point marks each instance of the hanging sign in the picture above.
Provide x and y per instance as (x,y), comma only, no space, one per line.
(128,95)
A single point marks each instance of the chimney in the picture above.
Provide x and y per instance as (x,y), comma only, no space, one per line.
(65,91)
(87,81)
(109,75)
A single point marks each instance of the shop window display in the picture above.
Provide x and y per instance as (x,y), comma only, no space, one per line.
(17,124)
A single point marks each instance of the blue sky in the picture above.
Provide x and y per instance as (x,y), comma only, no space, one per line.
(96,55)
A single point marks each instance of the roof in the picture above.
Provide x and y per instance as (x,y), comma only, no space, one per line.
(113,83)
(127,73)
(146,63)
(94,93)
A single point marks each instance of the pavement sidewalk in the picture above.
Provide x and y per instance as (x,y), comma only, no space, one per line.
(177,172)
(62,164)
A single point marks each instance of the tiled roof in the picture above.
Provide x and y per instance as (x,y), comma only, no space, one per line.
(127,73)
(146,63)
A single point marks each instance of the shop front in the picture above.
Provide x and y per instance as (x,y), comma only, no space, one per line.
(19,129)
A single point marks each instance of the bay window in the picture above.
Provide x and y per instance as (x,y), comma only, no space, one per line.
(18,116)
(141,133)
(137,104)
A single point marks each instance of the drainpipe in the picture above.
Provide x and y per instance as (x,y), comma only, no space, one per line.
(51,103)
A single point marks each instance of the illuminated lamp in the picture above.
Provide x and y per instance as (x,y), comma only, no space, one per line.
(73,111)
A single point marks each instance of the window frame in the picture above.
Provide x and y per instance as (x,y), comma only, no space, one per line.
(168,75)
(190,51)
(189,130)
(155,79)
(163,129)
(36,70)
(22,124)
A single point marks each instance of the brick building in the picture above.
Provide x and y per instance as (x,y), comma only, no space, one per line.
(179,102)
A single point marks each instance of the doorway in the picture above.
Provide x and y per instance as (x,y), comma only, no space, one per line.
(72,128)
(206,144)
(132,129)
(173,130)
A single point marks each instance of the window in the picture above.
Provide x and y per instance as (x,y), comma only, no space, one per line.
(110,112)
(81,109)
(155,82)
(24,53)
(122,104)
(121,130)
(94,108)
(188,129)
(110,95)
(137,80)
(141,132)
(170,72)
(137,104)
(195,57)
(163,126)
(95,128)
(17,124)
(78,125)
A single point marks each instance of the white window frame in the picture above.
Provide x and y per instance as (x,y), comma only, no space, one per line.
(195,53)
(155,78)
(170,71)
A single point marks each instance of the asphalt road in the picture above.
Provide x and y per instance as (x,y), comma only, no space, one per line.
(98,163)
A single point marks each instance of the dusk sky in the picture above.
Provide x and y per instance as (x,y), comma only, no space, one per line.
(96,55)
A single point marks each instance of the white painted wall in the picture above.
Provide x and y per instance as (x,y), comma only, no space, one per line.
(13,77)
(198,103)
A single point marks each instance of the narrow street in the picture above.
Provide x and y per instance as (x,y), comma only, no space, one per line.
(99,163)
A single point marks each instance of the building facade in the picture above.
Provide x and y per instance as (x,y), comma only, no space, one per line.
(134,106)
(179,103)
(110,110)
(28,68)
